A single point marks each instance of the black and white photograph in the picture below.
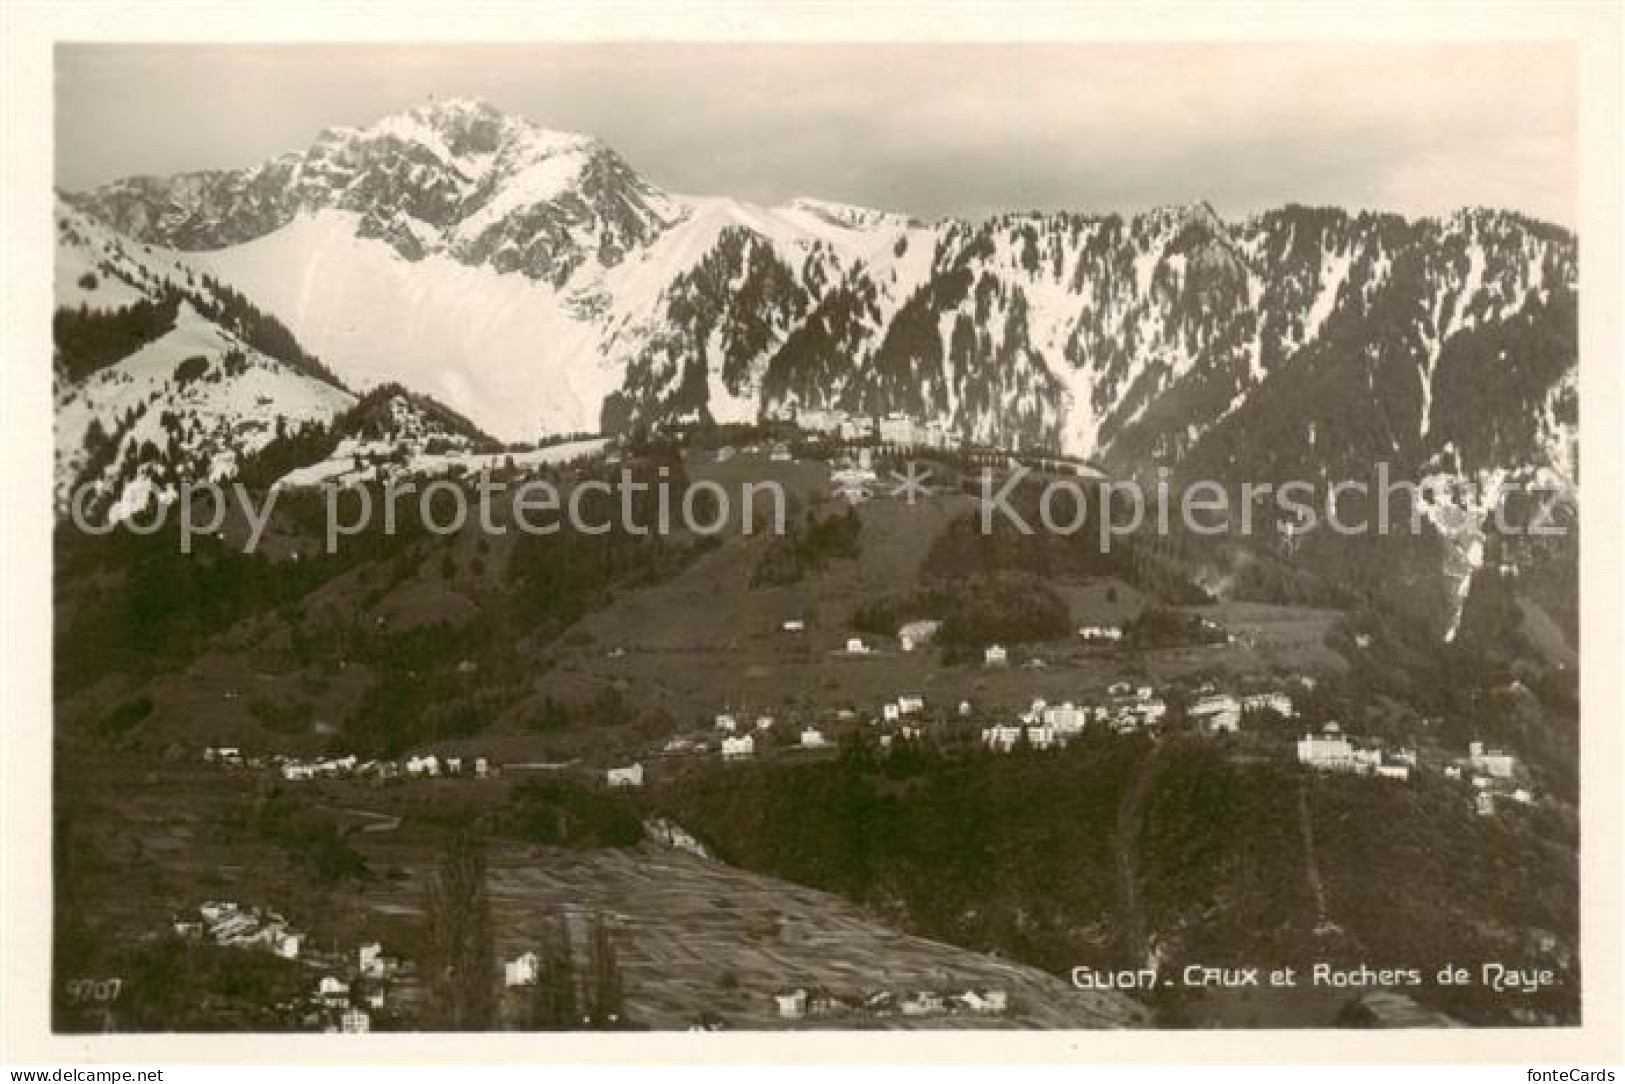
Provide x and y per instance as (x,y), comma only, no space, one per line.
(817,536)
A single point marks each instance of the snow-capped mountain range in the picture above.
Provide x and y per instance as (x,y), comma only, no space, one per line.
(535,283)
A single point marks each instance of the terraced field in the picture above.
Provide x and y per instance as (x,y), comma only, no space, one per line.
(694,936)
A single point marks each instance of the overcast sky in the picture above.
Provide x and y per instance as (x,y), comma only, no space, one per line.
(930,129)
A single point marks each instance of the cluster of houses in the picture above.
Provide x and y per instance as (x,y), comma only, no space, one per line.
(896,428)
(778,452)
(909,637)
(1045,725)
(338,1004)
(427,766)
(1492,773)
(739,742)
(346,1004)
(298,769)
(226,923)
(1126,709)
(803,1002)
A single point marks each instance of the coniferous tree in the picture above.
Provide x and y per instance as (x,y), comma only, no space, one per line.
(461,957)
(605,1008)
(554,1003)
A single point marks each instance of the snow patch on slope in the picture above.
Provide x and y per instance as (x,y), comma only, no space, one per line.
(220,420)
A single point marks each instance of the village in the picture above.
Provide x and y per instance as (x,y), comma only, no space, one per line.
(1256,718)
(348,990)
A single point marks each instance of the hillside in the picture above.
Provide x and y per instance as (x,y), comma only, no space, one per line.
(697,941)
(162,375)
(1123,855)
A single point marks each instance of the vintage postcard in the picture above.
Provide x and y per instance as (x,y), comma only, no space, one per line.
(592,535)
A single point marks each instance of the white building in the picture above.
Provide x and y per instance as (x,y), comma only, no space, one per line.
(919,632)
(629,776)
(1220,713)
(984,1001)
(1492,762)
(820,419)
(1066,719)
(921,1003)
(216,910)
(286,943)
(1100,634)
(911,705)
(1327,752)
(372,962)
(1001,738)
(333,992)
(792,1004)
(726,722)
(366,958)
(739,748)
(996,656)
(856,646)
(812,738)
(522,970)
(1042,737)
(355,1022)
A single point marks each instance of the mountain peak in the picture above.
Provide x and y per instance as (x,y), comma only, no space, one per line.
(458,107)
(457,130)
(1198,212)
